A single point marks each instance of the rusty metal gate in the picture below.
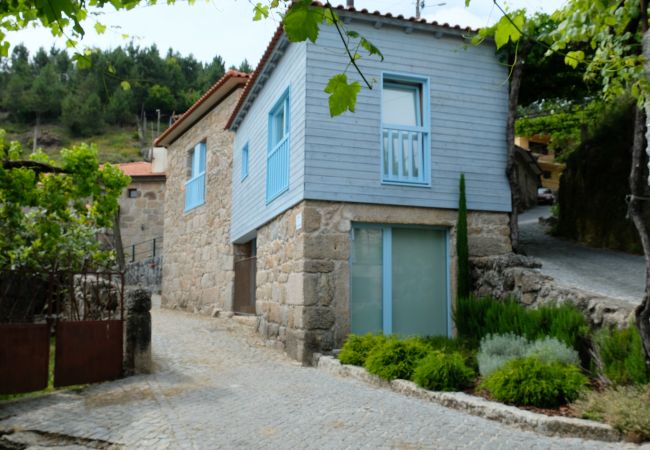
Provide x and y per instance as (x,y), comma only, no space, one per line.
(245,271)
(80,315)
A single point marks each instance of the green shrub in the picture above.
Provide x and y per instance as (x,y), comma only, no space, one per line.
(529,381)
(443,372)
(356,348)
(450,345)
(621,352)
(462,247)
(476,318)
(624,407)
(496,350)
(395,358)
(550,350)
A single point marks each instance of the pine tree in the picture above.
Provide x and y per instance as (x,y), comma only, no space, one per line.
(462,251)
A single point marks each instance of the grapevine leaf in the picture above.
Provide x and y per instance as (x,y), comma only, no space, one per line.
(261,12)
(343,95)
(302,21)
(100,28)
(508,30)
(574,58)
(372,50)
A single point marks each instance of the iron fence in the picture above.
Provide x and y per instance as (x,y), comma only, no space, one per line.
(143,250)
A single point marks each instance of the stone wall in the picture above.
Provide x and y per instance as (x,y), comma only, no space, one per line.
(141,218)
(519,277)
(198,265)
(146,273)
(303,274)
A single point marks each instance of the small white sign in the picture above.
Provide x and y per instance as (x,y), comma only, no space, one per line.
(298,221)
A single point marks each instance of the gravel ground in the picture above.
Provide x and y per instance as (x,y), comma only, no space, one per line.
(217,386)
(605,272)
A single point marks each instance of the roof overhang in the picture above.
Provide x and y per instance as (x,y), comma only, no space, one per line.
(210,99)
(279,43)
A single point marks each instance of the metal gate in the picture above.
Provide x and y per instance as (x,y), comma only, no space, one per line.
(81,315)
(245,271)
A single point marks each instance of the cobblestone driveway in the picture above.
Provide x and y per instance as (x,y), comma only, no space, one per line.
(217,386)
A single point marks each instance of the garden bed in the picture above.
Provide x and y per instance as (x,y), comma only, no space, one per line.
(478,406)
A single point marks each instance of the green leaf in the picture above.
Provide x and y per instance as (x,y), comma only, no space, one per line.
(261,12)
(343,95)
(507,30)
(330,17)
(83,61)
(353,34)
(467,3)
(372,50)
(125,85)
(574,58)
(100,28)
(111,69)
(4,49)
(302,21)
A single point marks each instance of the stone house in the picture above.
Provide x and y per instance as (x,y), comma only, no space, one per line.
(324,226)
(141,208)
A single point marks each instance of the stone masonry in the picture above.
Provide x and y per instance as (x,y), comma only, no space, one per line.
(198,264)
(141,217)
(303,274)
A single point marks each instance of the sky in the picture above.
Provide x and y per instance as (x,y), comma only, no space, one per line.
(226,28)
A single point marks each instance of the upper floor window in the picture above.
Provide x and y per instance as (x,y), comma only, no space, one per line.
(405,130)
(277,157)
(195,185)
(244,162)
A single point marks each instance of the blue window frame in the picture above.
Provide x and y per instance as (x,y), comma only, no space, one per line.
(405,130)
(277,157)
(195,185)
(244,162)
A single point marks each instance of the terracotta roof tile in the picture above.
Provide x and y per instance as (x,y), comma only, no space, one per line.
(138,169)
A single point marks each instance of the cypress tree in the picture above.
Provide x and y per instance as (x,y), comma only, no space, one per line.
(462,252)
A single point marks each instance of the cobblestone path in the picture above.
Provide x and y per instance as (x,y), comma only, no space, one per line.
(217,386)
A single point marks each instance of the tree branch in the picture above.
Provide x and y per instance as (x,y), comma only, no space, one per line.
(347,48)
(36,166)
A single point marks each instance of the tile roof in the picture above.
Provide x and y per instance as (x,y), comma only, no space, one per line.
(242,77)
(279,31)
(139,169)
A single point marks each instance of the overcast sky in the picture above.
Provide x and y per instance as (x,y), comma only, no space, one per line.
(226,28)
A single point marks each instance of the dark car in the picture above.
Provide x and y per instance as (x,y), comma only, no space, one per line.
(545,196)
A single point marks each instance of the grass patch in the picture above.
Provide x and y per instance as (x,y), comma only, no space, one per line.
(626,408)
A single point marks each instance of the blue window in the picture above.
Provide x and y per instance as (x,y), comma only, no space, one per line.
(277,157)
(244,162)
(195,185)
(405,130)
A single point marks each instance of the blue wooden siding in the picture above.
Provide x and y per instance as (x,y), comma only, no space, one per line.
(249,206)
(195,186)
(468,112)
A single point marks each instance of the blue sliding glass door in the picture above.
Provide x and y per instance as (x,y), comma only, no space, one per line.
(398,280)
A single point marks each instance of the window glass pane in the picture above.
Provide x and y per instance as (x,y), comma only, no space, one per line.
(190,164)
(386,152)
(416,151)
(400,105)
(419,287)
(366,281)
(201,167)
(278,126)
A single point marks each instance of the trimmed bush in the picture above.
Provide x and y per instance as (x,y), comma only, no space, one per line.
(395,359)
(530,382)
(356,348)
(496,350)
(441,371)
(624,407)
(550,350)
(478,317)
(450,345)
(621,352)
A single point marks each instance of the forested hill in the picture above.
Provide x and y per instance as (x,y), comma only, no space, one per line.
(116,98)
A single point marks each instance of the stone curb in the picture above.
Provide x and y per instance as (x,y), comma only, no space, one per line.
(509,415)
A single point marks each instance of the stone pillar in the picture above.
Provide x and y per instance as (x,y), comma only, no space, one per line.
(137,348)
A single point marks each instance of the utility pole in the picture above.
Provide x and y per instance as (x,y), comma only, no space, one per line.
(419,4)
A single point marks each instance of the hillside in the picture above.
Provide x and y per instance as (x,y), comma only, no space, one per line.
(115,144)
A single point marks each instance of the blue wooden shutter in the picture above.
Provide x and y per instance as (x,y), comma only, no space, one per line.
(277,158)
